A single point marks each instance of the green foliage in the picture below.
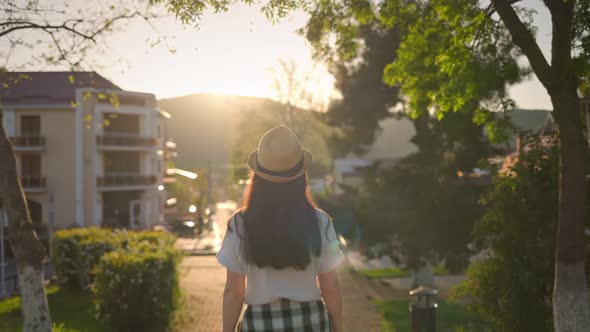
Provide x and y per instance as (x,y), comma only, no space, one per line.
(514,283)
(366,100)
(136,288)
(75,252)
(452,58)
(133,274)
(422,202)
(396,272)
(390,272)
(450,317)
(71,311)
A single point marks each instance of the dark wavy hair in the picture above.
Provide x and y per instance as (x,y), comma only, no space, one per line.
(281,225)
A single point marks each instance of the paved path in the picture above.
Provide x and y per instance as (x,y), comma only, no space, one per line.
(202,281)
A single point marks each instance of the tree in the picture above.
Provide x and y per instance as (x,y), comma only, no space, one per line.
(29,252)
(66,36)
(415,200)
(487,34)
(366,99)
(482,44)
(520,216)
(423,202)
(470,25)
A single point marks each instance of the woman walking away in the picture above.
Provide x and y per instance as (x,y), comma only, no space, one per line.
(283,245)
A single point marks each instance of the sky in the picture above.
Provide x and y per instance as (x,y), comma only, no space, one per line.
(230,53)
(233,53)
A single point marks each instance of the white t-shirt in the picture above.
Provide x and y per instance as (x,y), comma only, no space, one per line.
(267,285)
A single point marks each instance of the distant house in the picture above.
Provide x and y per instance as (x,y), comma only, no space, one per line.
(89,153)
(532,122)
(541,124)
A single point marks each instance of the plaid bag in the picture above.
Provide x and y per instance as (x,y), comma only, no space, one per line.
(286,315)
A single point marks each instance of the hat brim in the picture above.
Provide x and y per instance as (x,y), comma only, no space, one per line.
(253,165)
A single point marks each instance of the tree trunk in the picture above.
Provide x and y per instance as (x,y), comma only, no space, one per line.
(571,307)
(29,253)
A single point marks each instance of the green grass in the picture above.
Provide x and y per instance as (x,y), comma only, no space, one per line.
(389,272)
(396,272)
(450,317)
(71,310)
(440,270)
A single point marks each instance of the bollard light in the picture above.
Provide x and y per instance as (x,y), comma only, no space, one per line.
(423,311)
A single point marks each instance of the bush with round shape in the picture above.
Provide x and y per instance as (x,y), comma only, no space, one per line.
(136,288)
(75,253)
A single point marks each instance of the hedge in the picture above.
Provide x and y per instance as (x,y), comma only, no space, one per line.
(75,253)
(136,288)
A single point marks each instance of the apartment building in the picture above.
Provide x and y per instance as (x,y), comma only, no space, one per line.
(88,152)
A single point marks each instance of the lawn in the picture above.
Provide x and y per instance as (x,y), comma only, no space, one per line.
(389,272)
(69,308)
(396,272)
(451,317)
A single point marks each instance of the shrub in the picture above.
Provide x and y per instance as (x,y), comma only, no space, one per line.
(75,253)
(136,288)
(513,286)
(152,237)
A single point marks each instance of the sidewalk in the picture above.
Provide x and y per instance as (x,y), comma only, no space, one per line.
(202,280)
(359,314)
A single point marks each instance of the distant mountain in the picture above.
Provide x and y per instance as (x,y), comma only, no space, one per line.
(202,126)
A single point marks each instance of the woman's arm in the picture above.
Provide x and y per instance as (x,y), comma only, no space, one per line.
(330,288)
(233,300)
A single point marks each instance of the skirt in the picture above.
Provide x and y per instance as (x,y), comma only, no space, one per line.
(286,315)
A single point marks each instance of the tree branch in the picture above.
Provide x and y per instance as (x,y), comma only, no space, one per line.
(490,9)
(65,27)
(524,39)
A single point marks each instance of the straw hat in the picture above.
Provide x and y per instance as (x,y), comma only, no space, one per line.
(279,157)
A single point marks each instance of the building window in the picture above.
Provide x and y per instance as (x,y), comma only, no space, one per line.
(30,125)
(118,162)
(121,124)
(31,165)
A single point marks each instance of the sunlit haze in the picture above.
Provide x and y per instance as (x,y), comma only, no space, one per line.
(232,53)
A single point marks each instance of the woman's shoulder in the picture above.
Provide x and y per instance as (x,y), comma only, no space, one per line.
(236,221)
(323,216)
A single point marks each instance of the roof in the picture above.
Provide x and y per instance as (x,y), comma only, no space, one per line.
(48,87)
(529,120)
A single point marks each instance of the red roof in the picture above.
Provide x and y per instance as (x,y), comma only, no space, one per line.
(48,87)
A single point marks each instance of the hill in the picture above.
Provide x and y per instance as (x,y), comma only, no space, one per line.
(202,125)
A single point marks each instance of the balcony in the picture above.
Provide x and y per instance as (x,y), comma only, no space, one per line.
(125,181)
(28,143)
(125,142)
(33,183)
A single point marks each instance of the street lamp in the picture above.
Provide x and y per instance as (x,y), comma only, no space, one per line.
(192,208)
